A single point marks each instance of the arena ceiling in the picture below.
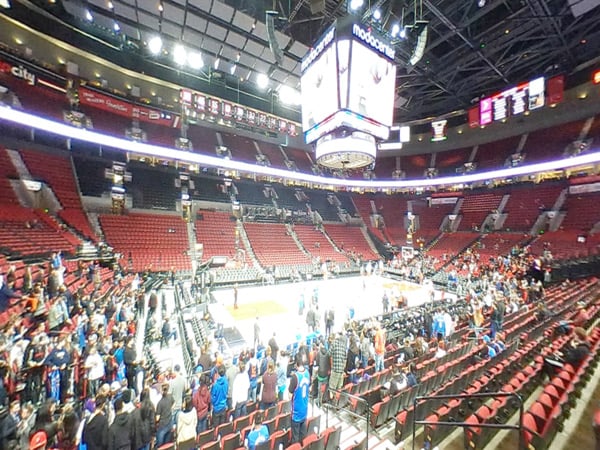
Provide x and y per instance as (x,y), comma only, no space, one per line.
(474,47)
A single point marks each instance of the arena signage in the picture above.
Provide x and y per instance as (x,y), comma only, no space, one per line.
(126,109)
(318,49)
(18,72)
(372,41)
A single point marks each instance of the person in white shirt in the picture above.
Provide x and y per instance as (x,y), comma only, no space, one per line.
(239,394)
(449,323)
(95,367)
(441,350)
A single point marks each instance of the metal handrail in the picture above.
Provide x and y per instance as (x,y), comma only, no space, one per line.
(424,398)
(367,417)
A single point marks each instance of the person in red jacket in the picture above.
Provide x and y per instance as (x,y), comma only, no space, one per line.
(202,403)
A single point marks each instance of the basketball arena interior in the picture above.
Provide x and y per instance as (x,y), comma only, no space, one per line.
(376,223)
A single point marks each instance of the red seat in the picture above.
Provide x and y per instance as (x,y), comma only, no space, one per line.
(38,441)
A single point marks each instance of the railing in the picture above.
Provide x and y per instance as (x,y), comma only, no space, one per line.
(346,395)
(423,399)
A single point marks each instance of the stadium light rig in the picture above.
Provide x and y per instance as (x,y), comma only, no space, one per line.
(15,116)
(179,55)
(155,45)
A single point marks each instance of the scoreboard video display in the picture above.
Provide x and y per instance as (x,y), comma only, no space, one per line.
(348,80)
(513,101)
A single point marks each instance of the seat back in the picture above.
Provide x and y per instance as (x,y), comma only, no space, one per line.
(231,441)
(333,438)
(313,425)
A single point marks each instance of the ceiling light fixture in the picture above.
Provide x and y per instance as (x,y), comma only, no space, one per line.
(88,16)
(155,45)
(356,4)
(195,61)
(289,95)
(179,55)
(262,80)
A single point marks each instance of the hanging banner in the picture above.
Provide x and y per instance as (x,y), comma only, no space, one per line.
(113,105)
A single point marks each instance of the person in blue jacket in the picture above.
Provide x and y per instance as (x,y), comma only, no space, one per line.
(218,396)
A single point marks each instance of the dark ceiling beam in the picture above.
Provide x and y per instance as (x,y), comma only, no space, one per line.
(548,21)
(293,13)
(470,20)
(459,33)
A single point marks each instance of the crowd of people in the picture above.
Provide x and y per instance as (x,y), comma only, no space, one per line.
(70,374)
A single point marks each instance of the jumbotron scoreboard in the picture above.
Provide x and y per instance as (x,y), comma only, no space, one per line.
(348,80)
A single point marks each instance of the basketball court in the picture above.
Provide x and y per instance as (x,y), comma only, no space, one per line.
(277,306)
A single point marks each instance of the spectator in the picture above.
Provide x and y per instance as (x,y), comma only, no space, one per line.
(95,429)
(258,434)
(33,362)
(580,349)
(45,421)
(58,363)
(68,427)
(26,425)
(187,421)
(351,358)
(218,397)
(232,371)
(168,333)
(9,423)
(5,295)
(269,387)
(131,362)
(120,432)
(496,318)
(441,350)
(252,371)
(379,347)
(164,417)
(338,362)
(323,372)
(299,385)
(143,423)
(128,405)
(201,399)
(95,370)
(274,347)
(397,383)
(177,387)
(241,389)
(365,348)
(282,363)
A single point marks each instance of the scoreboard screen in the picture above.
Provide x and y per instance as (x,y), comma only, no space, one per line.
(348,80)
(513,101)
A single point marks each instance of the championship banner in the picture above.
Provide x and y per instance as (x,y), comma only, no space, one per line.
(113,105)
